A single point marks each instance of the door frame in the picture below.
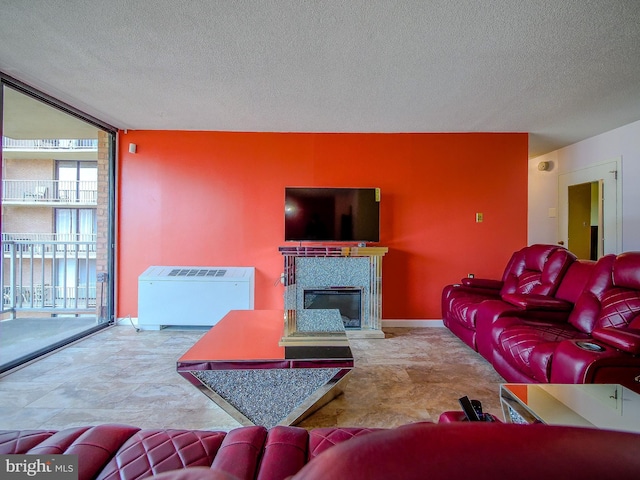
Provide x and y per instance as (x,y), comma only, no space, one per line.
(610,175)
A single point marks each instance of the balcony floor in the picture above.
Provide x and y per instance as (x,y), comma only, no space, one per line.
(24,335)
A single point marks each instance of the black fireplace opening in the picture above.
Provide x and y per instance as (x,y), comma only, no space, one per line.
(347,300)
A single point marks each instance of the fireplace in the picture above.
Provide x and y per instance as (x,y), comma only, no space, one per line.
(348,300)
(337,278)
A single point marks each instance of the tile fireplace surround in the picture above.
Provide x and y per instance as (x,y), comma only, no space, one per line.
(337,268)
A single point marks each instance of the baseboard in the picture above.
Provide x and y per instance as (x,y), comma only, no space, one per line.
(133,321)
(412,323)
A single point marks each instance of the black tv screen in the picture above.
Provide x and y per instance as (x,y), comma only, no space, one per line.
(332,214)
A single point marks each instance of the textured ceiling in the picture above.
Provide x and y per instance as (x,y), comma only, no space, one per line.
(560,70)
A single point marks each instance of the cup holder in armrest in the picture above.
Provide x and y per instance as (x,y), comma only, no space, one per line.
(590,346)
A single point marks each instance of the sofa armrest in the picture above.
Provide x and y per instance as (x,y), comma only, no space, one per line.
(484,283)
(537,302)
(625,339)
(581,361)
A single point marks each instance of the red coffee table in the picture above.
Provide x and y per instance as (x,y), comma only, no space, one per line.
(263,370)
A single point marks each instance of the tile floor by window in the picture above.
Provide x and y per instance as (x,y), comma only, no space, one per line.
(122,376)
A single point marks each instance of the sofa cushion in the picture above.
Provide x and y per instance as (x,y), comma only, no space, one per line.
(320,439)
(620,307)
(95,446)
(529,346)
(59,442)
(240,452)
(620,304)
(587,307)
(285,452)
(480,450)
(626,270)
(536,269)
(153,451)
(18,442)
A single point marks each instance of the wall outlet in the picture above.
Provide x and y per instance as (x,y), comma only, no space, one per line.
(479,217)
(471,275)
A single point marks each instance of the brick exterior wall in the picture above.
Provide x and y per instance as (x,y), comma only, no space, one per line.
(29,169)
(102,217)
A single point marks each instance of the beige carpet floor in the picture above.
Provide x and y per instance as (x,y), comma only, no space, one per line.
(120,375)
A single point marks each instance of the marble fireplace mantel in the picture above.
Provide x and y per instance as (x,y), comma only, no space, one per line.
(337,267)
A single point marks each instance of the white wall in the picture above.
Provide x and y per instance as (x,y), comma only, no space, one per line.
(622,142)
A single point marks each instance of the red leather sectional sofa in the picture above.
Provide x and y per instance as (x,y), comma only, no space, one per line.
(553,318)
(122,452)
(416,451)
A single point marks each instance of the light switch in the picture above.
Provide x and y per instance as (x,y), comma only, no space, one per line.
(479,217)
(552,212)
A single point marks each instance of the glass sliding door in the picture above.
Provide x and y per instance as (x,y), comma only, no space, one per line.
(57,197)
(76,274)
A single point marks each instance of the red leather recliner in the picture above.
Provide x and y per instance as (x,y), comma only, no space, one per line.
(535,270)
(555,310)
(420,450)
(599,342)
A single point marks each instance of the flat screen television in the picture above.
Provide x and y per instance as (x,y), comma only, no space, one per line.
(317,214)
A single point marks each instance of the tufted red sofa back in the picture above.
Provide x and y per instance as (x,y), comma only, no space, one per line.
(536,269)
(419,450)
(587,307)
(122,452)
(620,304)
(611,297)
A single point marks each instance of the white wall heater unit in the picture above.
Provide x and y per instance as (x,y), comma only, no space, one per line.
(186,296)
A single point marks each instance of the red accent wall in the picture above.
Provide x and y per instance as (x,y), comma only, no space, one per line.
(217,198)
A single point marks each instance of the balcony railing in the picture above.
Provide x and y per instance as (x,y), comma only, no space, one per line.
(48,276)
(83,192)
(39,297)
(48,244)
(55,144)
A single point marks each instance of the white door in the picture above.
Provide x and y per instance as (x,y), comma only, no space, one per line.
(608,175)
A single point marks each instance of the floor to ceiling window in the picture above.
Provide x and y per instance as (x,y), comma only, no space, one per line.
(57,227)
